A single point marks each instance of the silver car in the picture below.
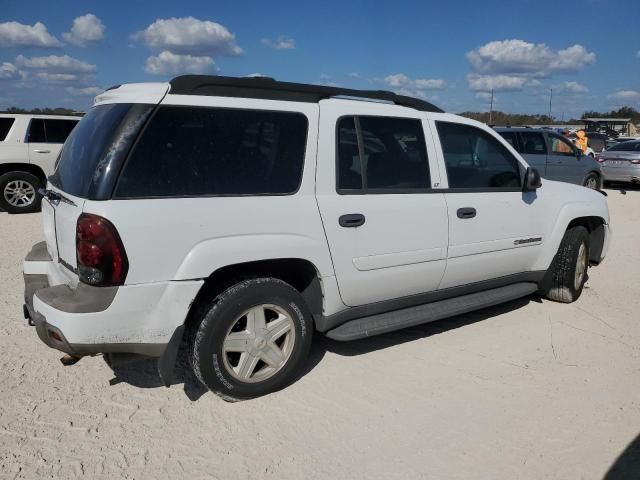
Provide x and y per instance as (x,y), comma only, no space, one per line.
(553,155)
(621,162)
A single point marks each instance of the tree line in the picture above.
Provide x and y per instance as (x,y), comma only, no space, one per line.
(502,118)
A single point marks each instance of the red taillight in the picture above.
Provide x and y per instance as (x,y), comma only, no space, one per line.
(635,162)
(101,258)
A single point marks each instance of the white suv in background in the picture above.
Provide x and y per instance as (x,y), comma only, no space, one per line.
(237,217)
(29,146)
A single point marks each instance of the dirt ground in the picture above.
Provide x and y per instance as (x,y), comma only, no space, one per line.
(528,390)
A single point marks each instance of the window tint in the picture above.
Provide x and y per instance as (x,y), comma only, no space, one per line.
(626,147)
(560,146)
(393,156)
(5,126)
(186,151)
(474,159)
(57,131)
(512,139)
(533,143)
(36,131)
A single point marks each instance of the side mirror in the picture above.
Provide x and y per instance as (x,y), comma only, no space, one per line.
(532,180)
(579,153)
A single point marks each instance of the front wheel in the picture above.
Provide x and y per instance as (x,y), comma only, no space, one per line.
(19,192)
(253,340)
(568,271)
(592,181)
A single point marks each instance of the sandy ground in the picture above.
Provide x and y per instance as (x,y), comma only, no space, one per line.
(527,390)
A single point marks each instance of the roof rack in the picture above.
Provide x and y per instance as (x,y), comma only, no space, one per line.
(270,89)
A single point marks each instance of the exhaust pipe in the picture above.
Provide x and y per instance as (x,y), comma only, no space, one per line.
(69,360)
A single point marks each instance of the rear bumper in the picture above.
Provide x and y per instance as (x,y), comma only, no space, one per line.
(83,320)
(621,174)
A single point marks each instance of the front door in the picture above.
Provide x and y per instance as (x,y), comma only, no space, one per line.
(45,138)
(563,163)
(386,226)
(495,229)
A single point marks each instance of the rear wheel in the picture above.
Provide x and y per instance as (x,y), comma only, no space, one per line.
(19,192)
(253,339)
(568,271)
(592,181)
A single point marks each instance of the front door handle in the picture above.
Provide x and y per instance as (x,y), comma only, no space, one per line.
(466,212)
(351,220)
(42,151)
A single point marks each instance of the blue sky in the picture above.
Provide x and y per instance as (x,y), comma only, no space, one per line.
(452,53)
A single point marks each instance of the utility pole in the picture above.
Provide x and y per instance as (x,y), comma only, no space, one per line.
(491,109)
(550,99)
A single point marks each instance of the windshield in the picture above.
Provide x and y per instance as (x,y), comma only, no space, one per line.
(626,147)
(99,142)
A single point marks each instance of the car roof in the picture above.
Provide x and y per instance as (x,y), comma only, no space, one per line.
(522,129)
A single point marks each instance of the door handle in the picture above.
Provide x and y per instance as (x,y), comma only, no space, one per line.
(351,220)
(466,212)
(42,151)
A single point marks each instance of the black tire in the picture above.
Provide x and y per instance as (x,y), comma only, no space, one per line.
(34,182)
(562,273)
(592,181)
(208,360)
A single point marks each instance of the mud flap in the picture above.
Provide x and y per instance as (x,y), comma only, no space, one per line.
(167,361)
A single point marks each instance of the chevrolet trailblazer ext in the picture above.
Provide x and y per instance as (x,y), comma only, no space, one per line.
(242,215)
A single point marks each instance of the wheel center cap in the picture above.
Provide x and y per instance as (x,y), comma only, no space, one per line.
(259,343)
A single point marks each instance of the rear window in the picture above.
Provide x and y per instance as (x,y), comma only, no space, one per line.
(626,147)
(5,125)
(101,140)
(201,151)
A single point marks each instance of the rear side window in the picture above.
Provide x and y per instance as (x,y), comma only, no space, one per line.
(512,139)
(626,147)
(57,131)
(50,131)
(5,125)
(199,151)
(378,154)
(533,143)
(560,146)
(474,159)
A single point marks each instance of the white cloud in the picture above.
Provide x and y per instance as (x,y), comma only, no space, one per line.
(167,63)
(353,75)
(58,77)
(638,54)
(85,92)
(85,29)
(8,71)
(14,34)
(517,57)
(401,80)
(574,87)
(253,75)
(56,64)
(625,95)
(498,83)
(189,36)
(280,43)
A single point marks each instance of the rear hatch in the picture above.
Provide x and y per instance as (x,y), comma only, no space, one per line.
(86,169)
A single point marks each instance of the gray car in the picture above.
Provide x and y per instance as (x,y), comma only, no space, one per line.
(621,162)
(554,156)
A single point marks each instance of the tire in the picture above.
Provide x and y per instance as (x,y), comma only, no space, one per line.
(592,181)
(568,271)
(27,184)
(233,322)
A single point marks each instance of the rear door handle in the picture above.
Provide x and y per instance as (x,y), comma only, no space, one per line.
(42,151)
(466,212)
(351,220)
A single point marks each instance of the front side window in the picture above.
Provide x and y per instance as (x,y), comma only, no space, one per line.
(36,131)
(475,159)
(378,154)
(200,151)
(560,146)
(5,125)
(533,143)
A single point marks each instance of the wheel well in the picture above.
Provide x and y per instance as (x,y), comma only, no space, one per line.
(23,167)
(595,227)
(300,274)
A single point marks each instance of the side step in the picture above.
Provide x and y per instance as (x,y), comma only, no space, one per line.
(430,312)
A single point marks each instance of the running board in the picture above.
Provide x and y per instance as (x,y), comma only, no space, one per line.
(429,312)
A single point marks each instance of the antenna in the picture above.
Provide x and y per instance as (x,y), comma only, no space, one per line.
(550,99)
(491,109)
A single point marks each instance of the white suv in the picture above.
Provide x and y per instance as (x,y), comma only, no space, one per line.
(29,146)
(239,216)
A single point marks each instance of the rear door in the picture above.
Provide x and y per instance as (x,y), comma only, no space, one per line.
(534,150)
(45,138)
(386,226)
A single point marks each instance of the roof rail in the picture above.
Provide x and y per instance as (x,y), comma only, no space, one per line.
(270,89)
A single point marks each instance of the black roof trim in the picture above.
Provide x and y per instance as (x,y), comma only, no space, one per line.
(270,89)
